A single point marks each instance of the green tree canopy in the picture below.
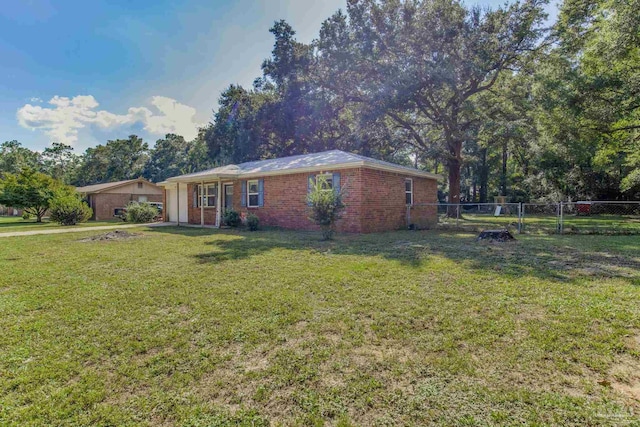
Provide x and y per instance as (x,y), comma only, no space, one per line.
(14,157)
(59,161)
(117,160)
(421,63)
(31,191)
(167,158)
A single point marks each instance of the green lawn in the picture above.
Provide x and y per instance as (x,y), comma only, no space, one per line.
(13,223)
(210,328)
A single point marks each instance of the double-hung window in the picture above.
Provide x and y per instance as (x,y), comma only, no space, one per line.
(253,193)
(326,179)
(207,195)
(408,191)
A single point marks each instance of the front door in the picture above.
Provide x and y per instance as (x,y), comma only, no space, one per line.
(228,196)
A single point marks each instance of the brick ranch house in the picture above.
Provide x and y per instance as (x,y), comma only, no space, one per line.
(376,192)
(106,198)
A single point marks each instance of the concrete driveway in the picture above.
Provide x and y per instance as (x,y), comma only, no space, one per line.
(80,229)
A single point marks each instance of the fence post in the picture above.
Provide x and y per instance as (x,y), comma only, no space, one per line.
(561,223)
(520,218)
(457,215)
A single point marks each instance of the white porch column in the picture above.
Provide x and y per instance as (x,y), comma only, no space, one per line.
(218,203)
(201,204)
(178,202)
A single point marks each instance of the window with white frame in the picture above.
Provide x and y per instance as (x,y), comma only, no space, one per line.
(208,197)
(327,180)
(408,191)
(253,193)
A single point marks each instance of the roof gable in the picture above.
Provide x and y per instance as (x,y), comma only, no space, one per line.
(97,188)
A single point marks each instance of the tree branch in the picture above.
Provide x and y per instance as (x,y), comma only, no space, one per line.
(406,125)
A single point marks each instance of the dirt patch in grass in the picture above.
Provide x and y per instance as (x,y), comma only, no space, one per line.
(625,378)
(625,372)
(111,235)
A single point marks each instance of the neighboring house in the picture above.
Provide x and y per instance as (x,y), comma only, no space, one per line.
(105,199)
(10,211)
(376,192)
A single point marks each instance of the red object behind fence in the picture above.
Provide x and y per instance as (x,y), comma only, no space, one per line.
(584,208)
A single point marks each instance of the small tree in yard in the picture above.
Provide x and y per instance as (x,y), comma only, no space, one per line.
(30,191)
(69,209)
(326,205)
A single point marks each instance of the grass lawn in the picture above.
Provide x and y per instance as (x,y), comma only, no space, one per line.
(16,223)
(213,328)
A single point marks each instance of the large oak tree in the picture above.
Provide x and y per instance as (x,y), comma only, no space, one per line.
(420,63)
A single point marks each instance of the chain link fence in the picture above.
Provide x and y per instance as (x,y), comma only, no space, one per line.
(540,218)
(594,217)
(466,217)
(600,217)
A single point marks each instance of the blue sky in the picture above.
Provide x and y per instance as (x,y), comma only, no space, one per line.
(86,71)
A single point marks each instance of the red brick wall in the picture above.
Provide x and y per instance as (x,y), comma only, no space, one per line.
(285,201)
(384,203)
(374,200)
(424,191)
(194,213)
(104,204)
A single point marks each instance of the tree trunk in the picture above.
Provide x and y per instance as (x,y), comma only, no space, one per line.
(503,177)
(467,190)
(484,177)
(454,185)
(40,213)
(454,181)
(475,188)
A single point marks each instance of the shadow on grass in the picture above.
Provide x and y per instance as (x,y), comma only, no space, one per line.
(19,222)
(562,258)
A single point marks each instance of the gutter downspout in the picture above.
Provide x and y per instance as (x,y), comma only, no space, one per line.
(178,202)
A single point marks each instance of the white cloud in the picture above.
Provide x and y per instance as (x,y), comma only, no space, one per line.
(66,116)
(36,99)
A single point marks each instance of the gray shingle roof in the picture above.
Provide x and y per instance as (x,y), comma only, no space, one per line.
(303,162)
(96,188)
